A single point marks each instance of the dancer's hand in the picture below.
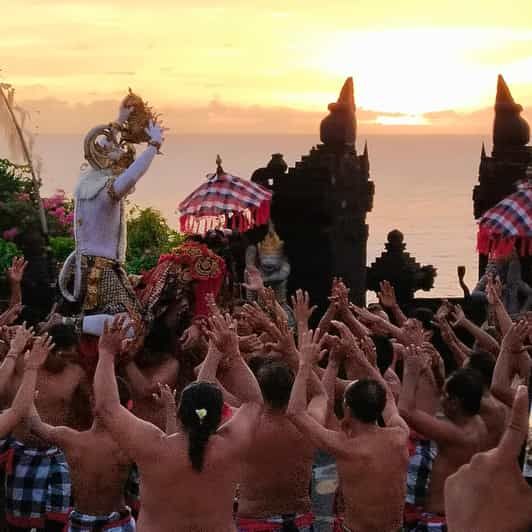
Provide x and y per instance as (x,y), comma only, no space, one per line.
(155,132)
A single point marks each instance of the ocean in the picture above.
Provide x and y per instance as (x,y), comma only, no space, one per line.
(423,186)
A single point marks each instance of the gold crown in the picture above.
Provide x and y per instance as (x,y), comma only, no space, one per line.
(271,245)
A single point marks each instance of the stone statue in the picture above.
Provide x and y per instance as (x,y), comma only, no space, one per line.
(269,259)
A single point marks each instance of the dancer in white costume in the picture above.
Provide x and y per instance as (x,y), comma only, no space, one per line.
(93,276)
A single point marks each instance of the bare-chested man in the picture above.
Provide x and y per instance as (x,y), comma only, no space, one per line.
(459,436)
(191,483)
(38,487)
(98,469)
(490,494)
(277,470)
(492,411)
(371,460)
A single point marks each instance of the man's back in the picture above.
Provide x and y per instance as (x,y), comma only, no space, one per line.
(453,455)
(276,471)
(98,469)
(373,477)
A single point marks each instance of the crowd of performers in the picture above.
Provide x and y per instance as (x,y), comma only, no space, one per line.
(173,402)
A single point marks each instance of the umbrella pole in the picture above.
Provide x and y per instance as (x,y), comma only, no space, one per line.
(36,184)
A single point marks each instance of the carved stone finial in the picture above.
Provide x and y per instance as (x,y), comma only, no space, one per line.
(339,128)
(510,129)
(400,269)
(219,169)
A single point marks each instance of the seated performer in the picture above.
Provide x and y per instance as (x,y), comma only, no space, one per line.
(371,460)
(190,486)
(98,469)
(95,269)
(37,480)
(271,499)
(461,435)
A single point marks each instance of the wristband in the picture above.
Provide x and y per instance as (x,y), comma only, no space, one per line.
(155,144)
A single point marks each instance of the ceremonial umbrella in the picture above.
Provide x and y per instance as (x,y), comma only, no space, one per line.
(508,222)
(225,201)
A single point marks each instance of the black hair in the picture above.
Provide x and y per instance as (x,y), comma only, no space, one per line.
(384,348)
(64,336)
(366,399)
(483,363)
(200,412)
(466,385)
(426,317)
(275,380)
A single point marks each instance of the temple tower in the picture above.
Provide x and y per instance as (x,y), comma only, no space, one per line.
(509,159)
(319,207)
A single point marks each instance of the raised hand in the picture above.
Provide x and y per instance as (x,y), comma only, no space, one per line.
(21,339)
(222,333)
(52,320)
(114,335)
(515,337)
(340,294)
(493,289)
(165,396)
(310,347)
(42,346)
(213,308)
(254,279)
(190,337)
(386,295)
(16,271)
(458,316)
(11,314)
(155,132)
(364,314)
(369,349)
(301,306)
(347,342)
(415,359)
(250,343)
(256,317)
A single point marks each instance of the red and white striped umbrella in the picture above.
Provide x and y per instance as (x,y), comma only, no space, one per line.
(225,201)
(508,222)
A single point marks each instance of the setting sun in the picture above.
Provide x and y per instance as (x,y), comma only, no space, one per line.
(407,60)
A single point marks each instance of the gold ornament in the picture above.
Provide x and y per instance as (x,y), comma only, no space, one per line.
(134,128)
(271,245)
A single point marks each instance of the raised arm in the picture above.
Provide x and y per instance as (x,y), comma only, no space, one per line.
(14,276)
(493,290)
(389,301)
(16,348)
(439,430)
(507,365)
(485,340)
(127,179)
(297,411)
(141,440)
(236,375)
(24,397)
(165,399)
(302,310)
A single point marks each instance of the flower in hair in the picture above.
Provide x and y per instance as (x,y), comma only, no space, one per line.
(201,413)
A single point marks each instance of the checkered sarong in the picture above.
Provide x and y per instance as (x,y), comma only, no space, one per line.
(113,522)
(37,484)
(422,455)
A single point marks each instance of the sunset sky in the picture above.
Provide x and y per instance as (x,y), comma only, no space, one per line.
(257,66)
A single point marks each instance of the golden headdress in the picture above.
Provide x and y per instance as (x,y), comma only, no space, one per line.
(271,245)
(134,128)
